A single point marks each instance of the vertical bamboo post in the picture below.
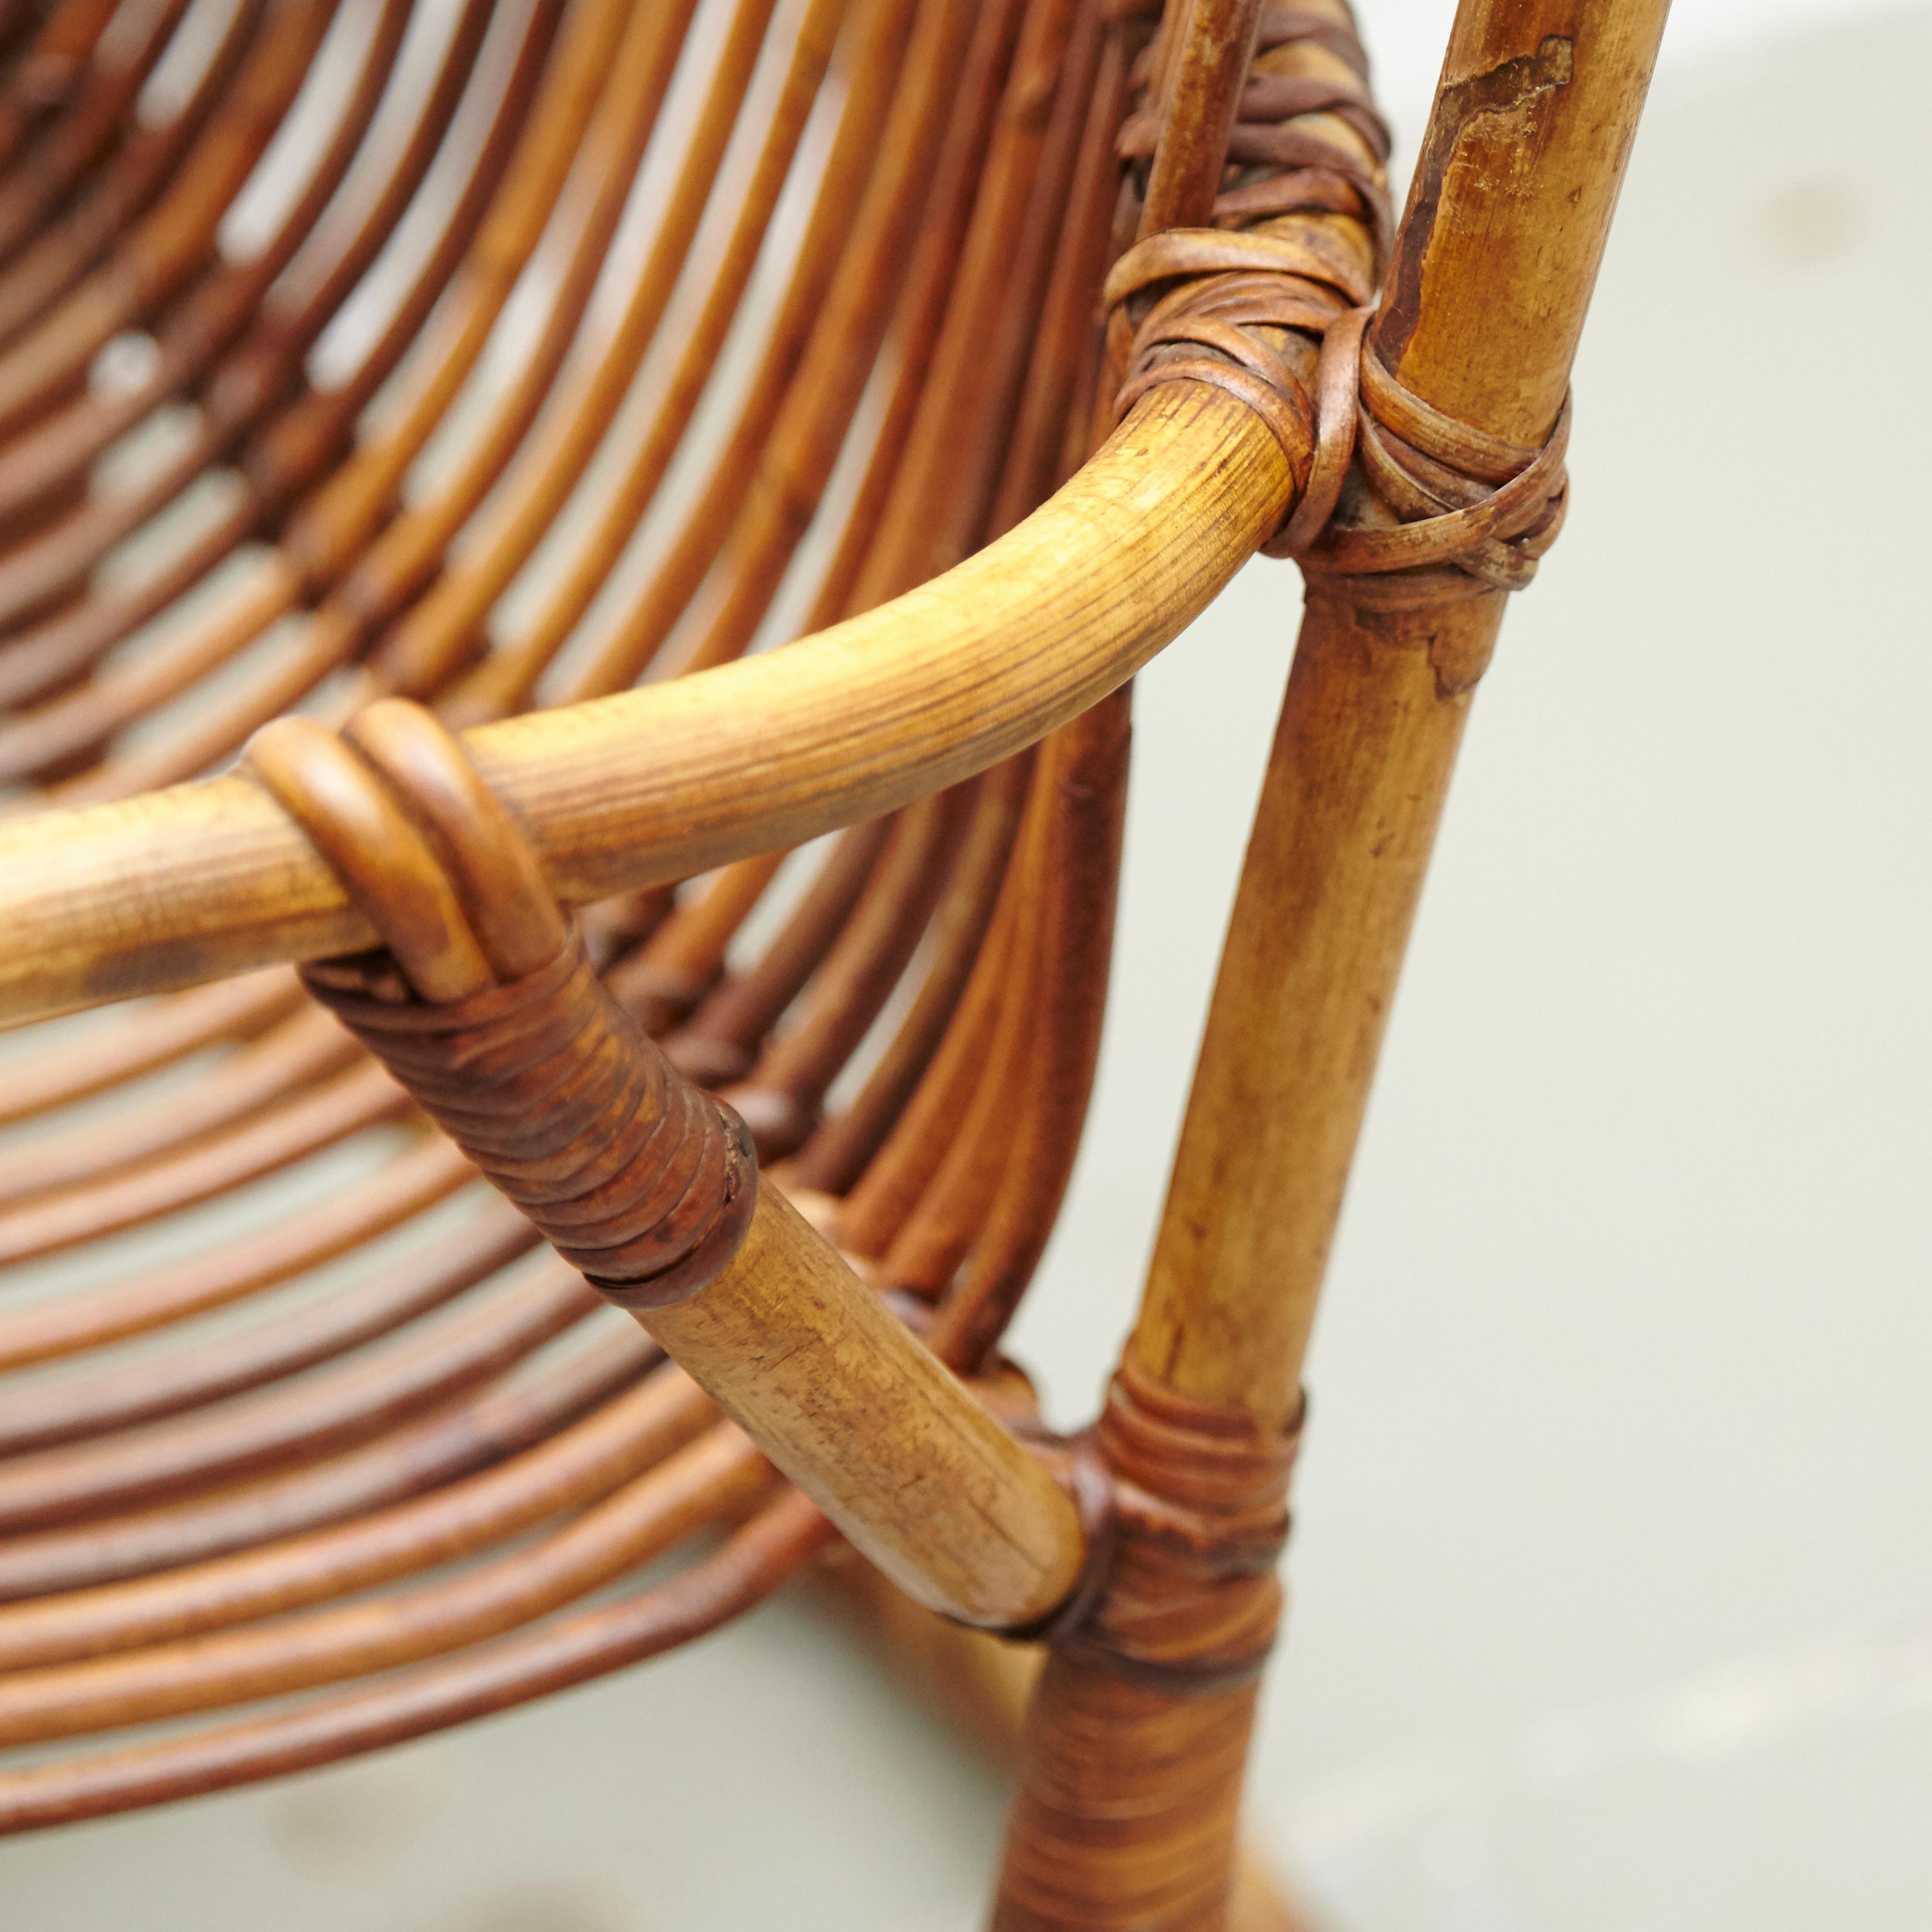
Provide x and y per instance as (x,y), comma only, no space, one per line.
(1129,1803)
(1205,77)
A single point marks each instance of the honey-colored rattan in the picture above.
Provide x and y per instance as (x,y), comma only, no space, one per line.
(373,372)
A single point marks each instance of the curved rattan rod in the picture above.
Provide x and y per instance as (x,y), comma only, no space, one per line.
(505,1419)
(663,783)
(866,196)
(52,56)
(306,1122)
(138,1041)
(956,1148)
(634,1524)
(790,477)
(762,215)
(192,324)
(507,679)
(89,120)
(451,505)
(781,1094)
(377,1390)
(664,979)
(122,193)
(949,466)
(337,1408)
(957,435)
(427,641)
(330,532)
(269,1077)
(40,76)
(295,1054)
(76,1405)
(491,1677)
(196,333)
(237,341)
(342,539)
(584,1458)
(715,1044)
(155,1297)
(919,313)
(914,1142)
(151,1300)
(841,1148)
(158,255)
(293,448)
(1087,800)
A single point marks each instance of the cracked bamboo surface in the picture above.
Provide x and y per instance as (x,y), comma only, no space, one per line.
(1489,282)
(1491,270)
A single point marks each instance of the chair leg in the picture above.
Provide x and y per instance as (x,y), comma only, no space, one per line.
(985,1686)
(1138,1737)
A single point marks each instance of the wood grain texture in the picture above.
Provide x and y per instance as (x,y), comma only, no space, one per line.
(848,1404)
(177,887)
(1353,793)
(1507,248)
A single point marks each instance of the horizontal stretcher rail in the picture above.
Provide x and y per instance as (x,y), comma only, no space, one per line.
(207,880)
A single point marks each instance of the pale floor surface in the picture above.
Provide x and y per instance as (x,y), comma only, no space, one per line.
(1613,1568)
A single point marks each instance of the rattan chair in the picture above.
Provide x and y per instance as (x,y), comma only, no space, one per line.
(449,435)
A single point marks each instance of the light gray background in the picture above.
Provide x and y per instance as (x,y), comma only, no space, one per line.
(1613,1574)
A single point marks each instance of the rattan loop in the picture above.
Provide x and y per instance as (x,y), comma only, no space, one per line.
(485,1008)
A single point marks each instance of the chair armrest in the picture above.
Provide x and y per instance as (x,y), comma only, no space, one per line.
(204,881)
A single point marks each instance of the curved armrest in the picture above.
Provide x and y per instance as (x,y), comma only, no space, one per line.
(207,880)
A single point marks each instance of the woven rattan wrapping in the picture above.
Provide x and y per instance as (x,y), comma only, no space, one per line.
(634,1176)
(1200,1513)
(1398,504)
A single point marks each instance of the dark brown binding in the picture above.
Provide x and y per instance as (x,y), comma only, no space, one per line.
(542,1079)
(1389,487)
(1160,1673)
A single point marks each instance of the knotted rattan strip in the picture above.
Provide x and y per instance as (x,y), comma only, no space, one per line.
(1399,504)
(485,1007)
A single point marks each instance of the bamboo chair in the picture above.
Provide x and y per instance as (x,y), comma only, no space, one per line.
(443,410)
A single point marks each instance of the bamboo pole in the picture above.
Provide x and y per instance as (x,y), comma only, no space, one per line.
(1493,265)
(1206,73)
(1492,270)
(836,1390)
(205,880)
